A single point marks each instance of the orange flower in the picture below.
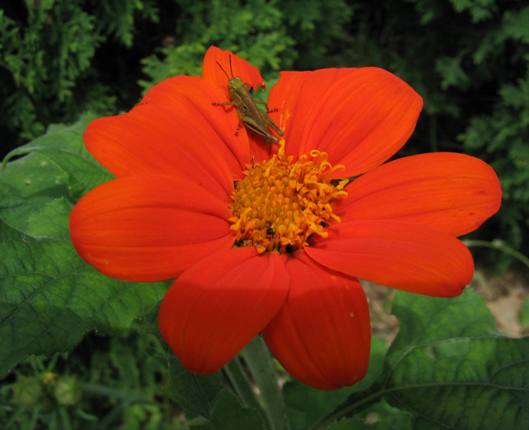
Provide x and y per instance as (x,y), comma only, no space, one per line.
(274,243)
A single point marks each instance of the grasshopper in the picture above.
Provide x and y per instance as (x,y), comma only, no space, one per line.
(253,118)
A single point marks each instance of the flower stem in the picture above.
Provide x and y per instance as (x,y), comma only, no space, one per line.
(241,384)
(260,363)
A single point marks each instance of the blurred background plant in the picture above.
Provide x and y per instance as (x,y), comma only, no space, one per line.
(121,382)
(59,58)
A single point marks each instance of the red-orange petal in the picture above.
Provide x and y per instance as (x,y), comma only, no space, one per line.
(217,306)
(360,117)
(148,228)
(449,192)
(219,66)
(410,257)
(176,128)
(260,150)
(322,333)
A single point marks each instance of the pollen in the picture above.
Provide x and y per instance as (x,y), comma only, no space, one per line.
(281,203)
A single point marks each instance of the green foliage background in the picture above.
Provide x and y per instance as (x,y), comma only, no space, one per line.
(60,58)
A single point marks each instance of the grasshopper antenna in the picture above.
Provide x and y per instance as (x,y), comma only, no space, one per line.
(222,68)
(231,70)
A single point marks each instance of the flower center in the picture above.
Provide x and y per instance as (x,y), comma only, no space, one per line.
(280,203)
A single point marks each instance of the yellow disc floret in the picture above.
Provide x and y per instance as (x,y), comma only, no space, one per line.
(280,203)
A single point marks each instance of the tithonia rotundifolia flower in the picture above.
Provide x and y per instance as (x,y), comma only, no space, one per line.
(271,238)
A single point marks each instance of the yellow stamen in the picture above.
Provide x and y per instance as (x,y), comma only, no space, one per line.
(280,203)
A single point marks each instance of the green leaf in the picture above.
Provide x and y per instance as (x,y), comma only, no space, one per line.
(56,167)
(449,370)
(228,414)
(28,184)
(59,160)
(50,221)
(451,72)
(49,298)
(306,404)
(207,396)
(195,393)
(466,383)
(424,320)
(380,416)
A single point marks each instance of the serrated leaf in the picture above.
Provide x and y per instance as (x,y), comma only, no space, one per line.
(48,296)
(27,188)
(465,384)
(62,151)
(424,320)
(449,370)
(55,166)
